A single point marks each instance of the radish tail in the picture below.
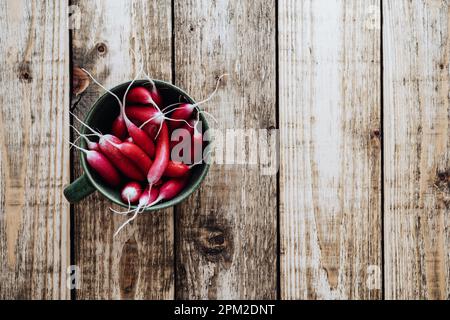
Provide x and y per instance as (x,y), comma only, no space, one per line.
(136,212)
(101,86)
(77,147)
(84,124)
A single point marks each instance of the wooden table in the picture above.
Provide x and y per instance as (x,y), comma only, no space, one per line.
(360,206)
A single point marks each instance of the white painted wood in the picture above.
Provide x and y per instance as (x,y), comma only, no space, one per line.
(417,144)
(34,156)
(330,217)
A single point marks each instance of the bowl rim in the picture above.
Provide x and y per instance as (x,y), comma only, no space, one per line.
(105,193)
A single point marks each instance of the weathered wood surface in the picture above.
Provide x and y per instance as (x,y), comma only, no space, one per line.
(34,157)
(138,263)
(226,232)
(417,144)
(329,91)
(222,242)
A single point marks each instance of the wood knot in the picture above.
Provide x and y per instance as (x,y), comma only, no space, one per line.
(376,133)
(191,28)
(129,269)
(102,49)
(215,243)
(25,73)
(443,176)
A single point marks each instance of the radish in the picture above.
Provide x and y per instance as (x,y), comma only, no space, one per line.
(185,111)
(91,145)
(170,190)
(131,192)
(119,128)
(101,165)
(141,95)
(162,156)
(125,165)
(176,169)
(122,163)
(138,135)
(129,139)
(134,154)
(146,197)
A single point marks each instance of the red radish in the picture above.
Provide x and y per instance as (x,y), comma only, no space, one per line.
(176,170)
(141,138)
(122,163)
(100,164)
(134,154)
(141,114)
(131,192)
(170,189)
(138,135)
(143,96)
(129,139)
(119,128)
(161,157)
(146,198)
(125,166)
(185,110)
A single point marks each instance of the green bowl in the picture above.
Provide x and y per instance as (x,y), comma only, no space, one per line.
(101,117)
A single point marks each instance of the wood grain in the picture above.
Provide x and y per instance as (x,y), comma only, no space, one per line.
(417,144)
(330,207)
(34,158)
(226,231)
(138,263)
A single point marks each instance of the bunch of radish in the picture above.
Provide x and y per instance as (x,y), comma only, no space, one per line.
(135,157)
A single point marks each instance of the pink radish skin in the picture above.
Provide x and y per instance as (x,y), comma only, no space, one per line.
(141,95)
(131,192)
(143,162)
(103,167)
(100,164)
(183,112)
(93,146)
(161,157)
(119,128)
(176,170)
(136,155)
(170,189)
(122,163)
(141,138)
(141,115)
(145,199)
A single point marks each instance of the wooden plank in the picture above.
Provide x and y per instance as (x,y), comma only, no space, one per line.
(34,158)
(417,144)
(226,231)
(330,207)
(138,263)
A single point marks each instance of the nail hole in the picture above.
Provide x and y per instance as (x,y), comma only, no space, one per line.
(101,48)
